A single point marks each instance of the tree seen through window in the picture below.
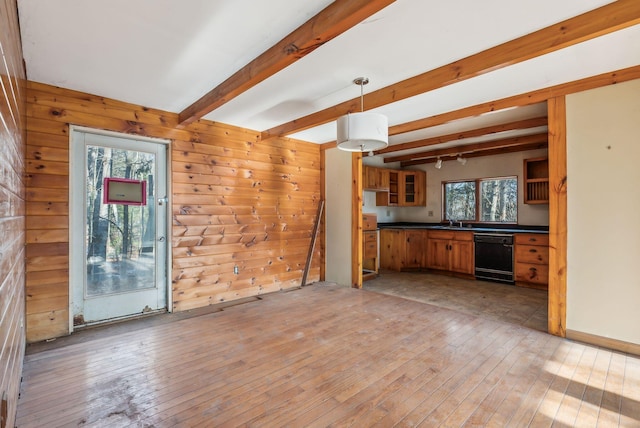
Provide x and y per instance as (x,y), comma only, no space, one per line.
(492,200)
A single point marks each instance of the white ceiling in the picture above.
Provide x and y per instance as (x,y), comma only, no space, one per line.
(166,54)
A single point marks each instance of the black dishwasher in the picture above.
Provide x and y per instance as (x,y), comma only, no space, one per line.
(494,256)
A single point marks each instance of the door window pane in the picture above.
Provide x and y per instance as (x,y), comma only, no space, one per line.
(120,238)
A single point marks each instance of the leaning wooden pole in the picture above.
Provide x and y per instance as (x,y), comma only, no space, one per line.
(312,247)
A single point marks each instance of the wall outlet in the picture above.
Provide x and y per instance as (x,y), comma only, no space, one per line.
(388,213)
(236,270)
(430,213)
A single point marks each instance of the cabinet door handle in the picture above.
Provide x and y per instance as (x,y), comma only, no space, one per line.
(533,250)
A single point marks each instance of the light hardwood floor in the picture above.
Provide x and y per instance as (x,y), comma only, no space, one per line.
(492,300)
(327,355)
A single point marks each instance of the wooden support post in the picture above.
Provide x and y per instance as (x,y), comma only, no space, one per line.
(356,220)
(557,216)
(323,231)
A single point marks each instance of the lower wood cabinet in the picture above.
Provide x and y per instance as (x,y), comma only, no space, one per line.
(532,260)
(453,251)
(438,253)
(402,249)
(415,245)
(450,251)
(391,249)
(369,246)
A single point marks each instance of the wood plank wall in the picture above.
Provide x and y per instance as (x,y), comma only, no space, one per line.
(236,201)
(12,211)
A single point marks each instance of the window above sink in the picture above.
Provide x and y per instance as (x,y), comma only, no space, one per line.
(486,200)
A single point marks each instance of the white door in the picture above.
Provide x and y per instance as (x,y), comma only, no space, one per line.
(118,226)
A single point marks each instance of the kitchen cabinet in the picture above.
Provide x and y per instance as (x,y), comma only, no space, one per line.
(531,260)
(369,246)
(450,251)
(414,185)
(415,245)
(394,187)
(392,196)
(374,178)
(536,180)
(402,249)
(369,222)
(392,249)
(438,253)
(406,189)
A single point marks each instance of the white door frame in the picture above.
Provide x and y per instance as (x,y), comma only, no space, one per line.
(76,190)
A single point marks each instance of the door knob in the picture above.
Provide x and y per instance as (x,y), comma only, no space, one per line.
(161,239)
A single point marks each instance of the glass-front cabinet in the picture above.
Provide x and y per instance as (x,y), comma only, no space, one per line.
(401,188)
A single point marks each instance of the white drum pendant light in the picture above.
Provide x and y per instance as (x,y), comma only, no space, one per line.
(364,131)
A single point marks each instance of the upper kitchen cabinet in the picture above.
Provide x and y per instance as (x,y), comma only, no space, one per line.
(376,179)
(536,180)
(414,184)
(406,189)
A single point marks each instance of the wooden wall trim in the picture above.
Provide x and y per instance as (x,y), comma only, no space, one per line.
(356,220)
(605,342)
(557,216)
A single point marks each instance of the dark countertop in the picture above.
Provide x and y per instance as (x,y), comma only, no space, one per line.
(486,228)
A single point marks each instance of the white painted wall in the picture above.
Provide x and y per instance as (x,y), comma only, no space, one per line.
(509,164)
(338,216)
(603,172)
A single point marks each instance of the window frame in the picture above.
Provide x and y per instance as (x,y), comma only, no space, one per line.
(477,182)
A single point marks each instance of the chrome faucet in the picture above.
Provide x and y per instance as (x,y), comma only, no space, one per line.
(450,223)
(460,223)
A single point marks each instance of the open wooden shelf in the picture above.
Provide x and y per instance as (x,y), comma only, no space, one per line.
(536,180)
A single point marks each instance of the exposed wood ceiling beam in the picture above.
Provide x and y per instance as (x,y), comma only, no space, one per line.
(606,19)
(520,124)
(491,152)
(470,148)
(332,21)
(528,98)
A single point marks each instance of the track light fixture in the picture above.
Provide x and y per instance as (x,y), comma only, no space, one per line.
(439,163)
(462,160)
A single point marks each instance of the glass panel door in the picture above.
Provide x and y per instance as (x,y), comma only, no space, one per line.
(124,226)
